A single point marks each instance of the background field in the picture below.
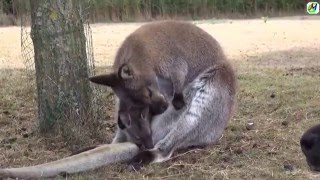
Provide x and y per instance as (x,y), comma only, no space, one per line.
(146,10)
(278,68)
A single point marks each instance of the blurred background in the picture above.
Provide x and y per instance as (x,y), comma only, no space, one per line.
(145,10)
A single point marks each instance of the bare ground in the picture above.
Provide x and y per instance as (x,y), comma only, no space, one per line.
(278,67)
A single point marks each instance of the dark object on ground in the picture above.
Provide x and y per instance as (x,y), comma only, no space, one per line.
(310,146)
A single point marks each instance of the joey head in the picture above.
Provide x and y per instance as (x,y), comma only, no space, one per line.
(134,121)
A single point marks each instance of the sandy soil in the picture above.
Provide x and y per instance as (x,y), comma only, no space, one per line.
(239,38)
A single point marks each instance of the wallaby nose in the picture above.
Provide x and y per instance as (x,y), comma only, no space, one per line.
(159,107)
(148,143)
(141,146)
(163,108)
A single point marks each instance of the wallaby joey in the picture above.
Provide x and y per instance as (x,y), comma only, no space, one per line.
(134,123)
(310,145)
(163,63)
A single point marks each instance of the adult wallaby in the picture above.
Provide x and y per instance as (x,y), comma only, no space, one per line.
(310,146)
(158,64)
(172,61)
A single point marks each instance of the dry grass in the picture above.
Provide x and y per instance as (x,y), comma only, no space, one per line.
(279,75)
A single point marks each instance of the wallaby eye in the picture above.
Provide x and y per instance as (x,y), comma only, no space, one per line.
(124,120)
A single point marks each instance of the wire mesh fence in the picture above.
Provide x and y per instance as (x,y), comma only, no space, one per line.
(58,56)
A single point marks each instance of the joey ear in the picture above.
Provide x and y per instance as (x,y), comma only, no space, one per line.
(106,79)
(125,119)
(145,113)
(165,86)
(126,71)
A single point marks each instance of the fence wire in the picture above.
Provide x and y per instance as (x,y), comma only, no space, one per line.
(66,103)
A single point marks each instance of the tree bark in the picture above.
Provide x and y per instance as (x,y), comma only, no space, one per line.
(63,89)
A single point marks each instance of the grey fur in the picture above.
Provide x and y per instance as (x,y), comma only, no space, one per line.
(176,51)
(201,122)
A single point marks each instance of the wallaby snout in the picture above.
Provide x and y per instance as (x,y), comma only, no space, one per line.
(159,107)
(146,143)
(159,104)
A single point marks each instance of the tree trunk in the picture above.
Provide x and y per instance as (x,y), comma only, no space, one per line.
(61,67)
(1,7)
(255,7)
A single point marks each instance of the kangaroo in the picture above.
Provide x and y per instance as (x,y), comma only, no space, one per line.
(310,146)
(160,61)
(158,64)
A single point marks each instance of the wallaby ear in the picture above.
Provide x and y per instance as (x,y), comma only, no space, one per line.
(106,79)
(145,113)
(165,86)
(125,119)
(126,71)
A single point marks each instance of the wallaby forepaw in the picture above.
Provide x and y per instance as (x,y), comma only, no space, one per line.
(178,101)
(143,158)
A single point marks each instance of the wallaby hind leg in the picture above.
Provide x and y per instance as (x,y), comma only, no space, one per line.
(201,123)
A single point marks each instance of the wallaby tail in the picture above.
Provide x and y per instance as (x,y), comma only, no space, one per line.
(94,158)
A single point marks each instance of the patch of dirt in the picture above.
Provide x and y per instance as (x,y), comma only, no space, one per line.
(311,71)
(294,59)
